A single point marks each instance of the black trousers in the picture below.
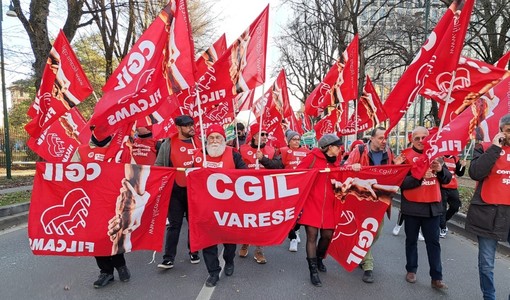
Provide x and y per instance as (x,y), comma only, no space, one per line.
(107,264)
(211,257)
(177,210)
(451,204)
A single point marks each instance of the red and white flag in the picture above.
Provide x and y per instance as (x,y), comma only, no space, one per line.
(370,112)
(59,141)
(503,61)
(363,198)
(160,64)
(327,124)
(211,55)
(83,203)
(243,207)
(411,82)
(340,84)
(482,119)
(63,86)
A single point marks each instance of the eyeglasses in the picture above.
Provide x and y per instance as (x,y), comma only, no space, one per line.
(263,134)
(419,138)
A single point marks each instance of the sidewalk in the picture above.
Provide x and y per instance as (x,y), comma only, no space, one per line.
(16,214)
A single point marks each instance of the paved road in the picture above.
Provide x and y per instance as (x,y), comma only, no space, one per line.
(285,276)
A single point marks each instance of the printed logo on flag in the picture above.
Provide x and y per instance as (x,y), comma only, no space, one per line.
(56,147)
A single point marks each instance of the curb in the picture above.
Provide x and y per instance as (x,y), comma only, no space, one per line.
(457,223)
(13,215)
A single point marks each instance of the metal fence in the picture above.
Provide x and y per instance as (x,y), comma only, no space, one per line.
(21,154)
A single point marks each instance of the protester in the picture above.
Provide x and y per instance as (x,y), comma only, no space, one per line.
(240,138)
(177,151)
(489,211)
(318,212)
(449,192)
(145,148)
(421,208)
(268,158)
(374,153)
(97,151)
(218,155)
(292,155)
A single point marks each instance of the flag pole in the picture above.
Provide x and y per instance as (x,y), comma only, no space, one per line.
(262,111)
(201,123)
(447,100)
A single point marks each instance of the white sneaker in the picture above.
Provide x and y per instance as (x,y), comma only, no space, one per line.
(420,236)
(396,229)
(297,236)
(293,245)
(443,232)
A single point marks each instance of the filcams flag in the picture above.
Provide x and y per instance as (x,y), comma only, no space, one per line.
(160,64)
(98,209)
(243,207)
(327,124)
(63,86)
(340,84)
(412,80)
(59,141)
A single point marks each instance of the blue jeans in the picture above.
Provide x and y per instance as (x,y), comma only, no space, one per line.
(486,255)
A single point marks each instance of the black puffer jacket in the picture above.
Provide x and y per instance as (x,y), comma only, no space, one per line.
(487,220)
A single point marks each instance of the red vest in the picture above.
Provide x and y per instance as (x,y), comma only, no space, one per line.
(181,156)
(429,190)
(451,164)
(144,151)
(225,161)
(495,188)
(249,154)
(89,154)
(291,158)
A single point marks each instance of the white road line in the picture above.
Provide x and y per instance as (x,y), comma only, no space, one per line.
(206,292)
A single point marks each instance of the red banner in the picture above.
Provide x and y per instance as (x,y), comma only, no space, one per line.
(340,84)
(160,64)
(403,94)
(98,209)
(363,198)
(244,207)
(211,55)
(327,124)
(63,86)
(58,142)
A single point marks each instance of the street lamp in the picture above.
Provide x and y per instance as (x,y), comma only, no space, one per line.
(4,97)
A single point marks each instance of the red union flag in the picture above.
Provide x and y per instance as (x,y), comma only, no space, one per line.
(482,116)
(327,125)
(370,112)
(363,198)
(58,142)
(159,65)
(503,61)
(63,86)
(82,203)
(340,84)
(211,55)
(411,82)
(243,207)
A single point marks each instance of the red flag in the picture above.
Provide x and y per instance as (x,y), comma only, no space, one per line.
(63,85)
(363,198)
(241,68)
(59,141)
(403,94)
(240,206)
(473,78)
(448,52)
(244,100)
(483,116)
(327,125)
(370,111)
(211,55)
(340,84)
(82,199)
(159,65)
(503,61)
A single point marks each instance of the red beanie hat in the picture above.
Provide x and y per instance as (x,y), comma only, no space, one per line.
(254,129)
(217,128)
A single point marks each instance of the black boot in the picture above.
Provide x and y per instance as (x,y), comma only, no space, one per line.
(320,266)
(314,274)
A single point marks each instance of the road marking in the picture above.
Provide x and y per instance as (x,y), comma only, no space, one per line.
(206,292)
(12,229)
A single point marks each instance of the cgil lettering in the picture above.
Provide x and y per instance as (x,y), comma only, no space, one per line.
(135,64)
(73,172)
(365,240)
(249,188)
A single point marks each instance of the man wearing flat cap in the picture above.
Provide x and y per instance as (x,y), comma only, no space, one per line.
(177,151)
(220,156)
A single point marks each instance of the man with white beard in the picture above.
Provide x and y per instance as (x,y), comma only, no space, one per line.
(218,155)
